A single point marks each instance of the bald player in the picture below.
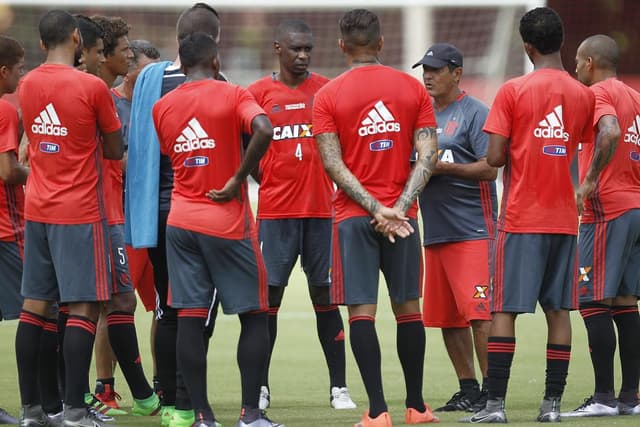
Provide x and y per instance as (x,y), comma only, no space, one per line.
(609,243)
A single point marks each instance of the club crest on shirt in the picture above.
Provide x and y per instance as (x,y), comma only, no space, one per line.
(451,127)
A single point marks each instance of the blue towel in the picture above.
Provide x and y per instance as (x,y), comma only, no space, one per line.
(143,164)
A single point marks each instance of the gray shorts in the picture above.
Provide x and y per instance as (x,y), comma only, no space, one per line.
(10,279)
(532,268)
(610,258)
(282,240)
(121,277)
(360,253)
(67,262)
(202,267)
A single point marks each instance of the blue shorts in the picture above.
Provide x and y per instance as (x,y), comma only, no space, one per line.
(282,240)
(532,268)
(360,253)
(67,262)
(121,276)
(10,279)
(610,258)
(203,268)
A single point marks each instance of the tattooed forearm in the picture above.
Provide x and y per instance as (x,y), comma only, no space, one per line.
(605,145)
(331,154)
(426,144)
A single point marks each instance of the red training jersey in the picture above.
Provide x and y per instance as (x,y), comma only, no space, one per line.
(65,182)
(374,111)
(618,186)
(545,114)
(11,196)
(293,181)
(200,126)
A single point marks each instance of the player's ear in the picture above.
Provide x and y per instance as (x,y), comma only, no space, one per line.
(457,74)
(215,64)
(76,37)
(341,45)
(380,43)
(42,45)
(276,47)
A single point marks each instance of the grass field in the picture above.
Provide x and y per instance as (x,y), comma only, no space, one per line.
(299,380)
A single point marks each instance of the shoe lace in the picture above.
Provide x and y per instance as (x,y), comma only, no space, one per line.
(588,401)
(94,414)
(457,396)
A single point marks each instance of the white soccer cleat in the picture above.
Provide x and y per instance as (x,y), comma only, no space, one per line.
(341,399)
(265,398)
(624,409)
(591,408)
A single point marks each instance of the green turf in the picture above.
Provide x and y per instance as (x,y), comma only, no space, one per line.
(299,379)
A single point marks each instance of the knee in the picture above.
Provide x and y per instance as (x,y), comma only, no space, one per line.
(320,295)
(275,296)
(125,302)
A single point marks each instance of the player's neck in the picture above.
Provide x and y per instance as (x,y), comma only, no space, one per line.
(107,76)
(363,60)
(125,90)
(60,56)
(442,102)
(553,61)
(601,75)
(291,80)
(199,74)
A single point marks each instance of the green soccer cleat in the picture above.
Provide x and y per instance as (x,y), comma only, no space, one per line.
(182,418)
(146,407)
(166,413)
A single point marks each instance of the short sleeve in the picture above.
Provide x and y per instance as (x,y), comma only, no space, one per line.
(108,120)
(247,108)
(500,116)
(8,128)
(426,116)
(604,105)
(588,134)
(479,140)
(323,116)
(157,123)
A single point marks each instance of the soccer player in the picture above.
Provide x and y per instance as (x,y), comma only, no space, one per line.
(458,209)
(12,178)
(211,235)
(367,122)
(535,125)
(148,199)
(609,242)
(66,236)
(294,201)
(90,56)
(116,323)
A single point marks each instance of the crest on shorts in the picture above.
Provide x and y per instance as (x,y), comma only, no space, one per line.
(481,292)
(583,275)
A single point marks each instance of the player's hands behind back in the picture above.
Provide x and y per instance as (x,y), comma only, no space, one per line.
(392,223)
(227,193)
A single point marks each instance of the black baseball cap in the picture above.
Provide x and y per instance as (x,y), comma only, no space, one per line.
(440,55)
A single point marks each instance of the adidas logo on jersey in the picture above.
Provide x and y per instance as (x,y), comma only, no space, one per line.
(632,133)
(193,137)
(379,120)
(292,131)
(48,123)
(552,126)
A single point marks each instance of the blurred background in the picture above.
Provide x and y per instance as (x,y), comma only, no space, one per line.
(485,31)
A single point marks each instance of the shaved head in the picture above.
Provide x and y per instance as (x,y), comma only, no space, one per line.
(291,26)
(603,49)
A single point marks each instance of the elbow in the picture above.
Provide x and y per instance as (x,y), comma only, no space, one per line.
(115,154)
(264,130)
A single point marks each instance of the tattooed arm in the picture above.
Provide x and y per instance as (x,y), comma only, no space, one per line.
(426,143)
(391,219)
(605,146)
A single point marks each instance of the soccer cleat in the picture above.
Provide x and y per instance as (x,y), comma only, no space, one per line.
(33,416)
(56,419)
(460,401)
(341,399)
(182,418)
(265,398)
(261,421)
(107,395)
(204,423)
(624,409)
(81,417)
(413,416)
(146,407)
(166,413)
(480,402)
(93,402)
(6,418)
(549,410)
(493,412)
(591,408)
(102,417)
(382,420)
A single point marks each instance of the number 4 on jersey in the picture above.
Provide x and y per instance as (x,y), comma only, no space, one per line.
(299,151)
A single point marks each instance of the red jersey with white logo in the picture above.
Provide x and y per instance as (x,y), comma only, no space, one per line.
(293,182)
(618,186)
(200,126)
(65,182)
(11,195)
(374,111)
(545,114)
